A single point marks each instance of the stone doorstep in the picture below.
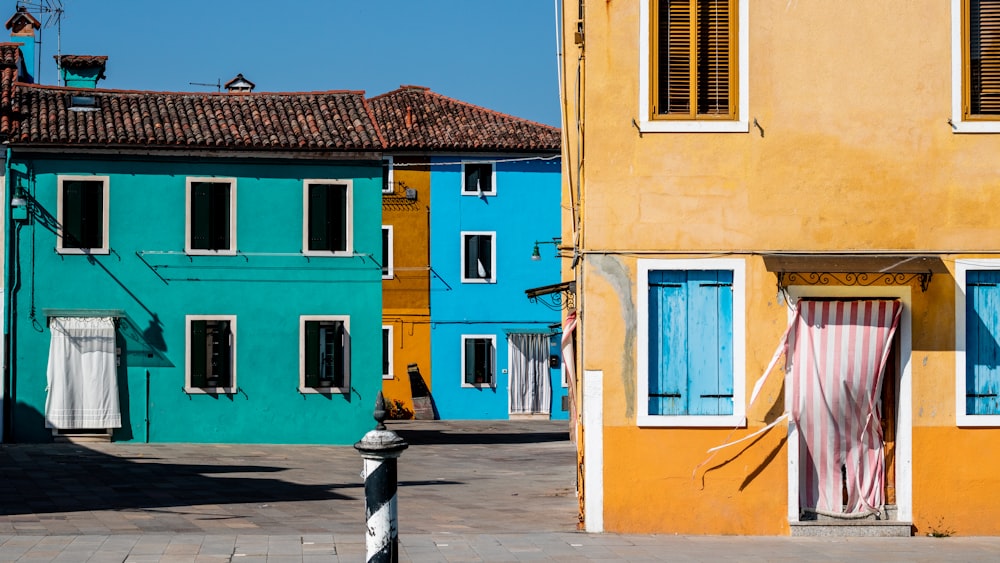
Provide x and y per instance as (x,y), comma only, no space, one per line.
(852,528)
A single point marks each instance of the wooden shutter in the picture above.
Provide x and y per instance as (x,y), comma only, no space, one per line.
(690,342)
(337,216)
(386,343)
(201,215)
(339,336)
(471,256)
(385,252)
(982,330)
(984,57)
(72,214)
(92,215)
(475,368)
(485,243)
(673,55)
(714,40)
(319,234)
(485,177)
(312,365)
(219,206)
(219,349)
(197,355)
(471,177)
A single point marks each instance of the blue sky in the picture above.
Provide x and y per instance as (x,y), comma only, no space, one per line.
(497,54)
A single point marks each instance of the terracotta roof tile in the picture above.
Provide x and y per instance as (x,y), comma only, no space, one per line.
(415,118)
(10,60)
(336,121)
(81,61)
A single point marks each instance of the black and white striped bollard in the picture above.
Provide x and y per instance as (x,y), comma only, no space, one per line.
(380,448)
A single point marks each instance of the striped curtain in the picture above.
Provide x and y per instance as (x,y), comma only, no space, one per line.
(530,388)
(837,351)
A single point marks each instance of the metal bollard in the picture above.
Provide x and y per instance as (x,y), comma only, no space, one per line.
(380,448)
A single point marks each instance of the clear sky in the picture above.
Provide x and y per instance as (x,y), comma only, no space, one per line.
(499,54)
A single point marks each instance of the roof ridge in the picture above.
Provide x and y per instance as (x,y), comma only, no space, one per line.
(492,111)
(181,93)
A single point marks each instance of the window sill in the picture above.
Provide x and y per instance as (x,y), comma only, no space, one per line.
(676,126)
(210,390)
(387,377)
(206,252)
(977,420)
(323,390)
(477,386)
(477,194)
(478,280)
(692,421)
(329,253)
(977,126)
(83,250)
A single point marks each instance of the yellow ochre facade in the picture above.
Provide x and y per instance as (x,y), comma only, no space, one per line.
(852,159)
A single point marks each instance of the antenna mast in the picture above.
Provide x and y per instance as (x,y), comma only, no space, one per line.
(53,10)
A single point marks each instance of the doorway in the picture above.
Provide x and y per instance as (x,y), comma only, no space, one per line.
(529,383)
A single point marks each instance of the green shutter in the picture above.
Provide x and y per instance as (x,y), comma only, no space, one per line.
(471,256)
(201,217)
(92,215)
(72,212)
(385,252)
(219,205)
(222,353)
(471,177)
(197,358)
(319,236)
(486,255)
(339,354)
(470,361)
(337,217)
(312,366)
(385,351)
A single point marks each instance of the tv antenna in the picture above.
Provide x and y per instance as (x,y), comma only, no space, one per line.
(52,13)
(217,85)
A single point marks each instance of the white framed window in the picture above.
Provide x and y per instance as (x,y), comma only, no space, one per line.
(691,350)
(478,256)
(977,354)
(210,363)
(659,81)
(82,203)
(210,216)
(388,186)
(975,66)
(327,217)
(479,179)
(387,346)
(479,360)
(387,252)
(324,354)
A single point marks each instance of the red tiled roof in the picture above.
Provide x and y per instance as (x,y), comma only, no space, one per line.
(337,121)
(415,118)
(10,60)
(81,61)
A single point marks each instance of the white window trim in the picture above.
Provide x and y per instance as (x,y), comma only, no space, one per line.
(461,370)
(738,267)
(962,418)
(387,261)
(493,257)
(231,251)
(392,345)
(231,389)
(391,187)
(493,179)
(349,250)
(958,122)
(740,125)
(346,389)
(106,246)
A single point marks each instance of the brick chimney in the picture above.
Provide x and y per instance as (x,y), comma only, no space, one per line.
(81,71)
(23,26)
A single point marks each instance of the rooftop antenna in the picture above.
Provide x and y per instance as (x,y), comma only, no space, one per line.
(217,85)
(52,11)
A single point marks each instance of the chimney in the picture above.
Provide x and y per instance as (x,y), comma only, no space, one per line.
(81,71)
(240,84)
(23,26)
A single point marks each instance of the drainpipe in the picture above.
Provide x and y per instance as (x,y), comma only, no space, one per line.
(8,387)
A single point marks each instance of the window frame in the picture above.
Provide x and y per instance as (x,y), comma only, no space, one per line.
(493,178)
(740,89)
(493,256)
(387,253)
(388,374)
(189,219)
(738,268)
(105,247)
(961,122)
(233,385)
(962,268)
(388,185)
(345,389)
(349,218)
(492,338)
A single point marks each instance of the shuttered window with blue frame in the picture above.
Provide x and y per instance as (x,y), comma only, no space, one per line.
(690,342)
(982,346)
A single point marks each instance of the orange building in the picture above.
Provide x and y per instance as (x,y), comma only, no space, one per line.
(747,181)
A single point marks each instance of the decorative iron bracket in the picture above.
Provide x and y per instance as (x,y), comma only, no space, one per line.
(555,297)
(862,279)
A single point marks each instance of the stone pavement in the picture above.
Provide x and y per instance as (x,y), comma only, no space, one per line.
(469,491)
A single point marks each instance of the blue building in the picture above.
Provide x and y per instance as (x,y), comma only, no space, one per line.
(494,199)
(192,267)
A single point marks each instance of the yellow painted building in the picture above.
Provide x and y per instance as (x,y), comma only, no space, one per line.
(800,151)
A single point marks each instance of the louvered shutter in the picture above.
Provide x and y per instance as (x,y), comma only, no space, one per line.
(984,57)
(312,364)
(339,352)
(982,330)
(197,355)
(713,57)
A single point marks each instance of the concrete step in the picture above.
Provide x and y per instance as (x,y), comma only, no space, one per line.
(852,528)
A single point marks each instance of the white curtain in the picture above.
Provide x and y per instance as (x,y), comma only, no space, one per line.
(530,388)
(82,379)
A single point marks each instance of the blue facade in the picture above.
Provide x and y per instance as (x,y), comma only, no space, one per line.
(483,301)
(151,286)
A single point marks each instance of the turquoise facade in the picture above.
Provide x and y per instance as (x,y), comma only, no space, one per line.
(150,285)
(524,209)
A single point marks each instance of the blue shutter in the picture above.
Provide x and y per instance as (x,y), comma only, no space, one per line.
(690,342)
(982,328)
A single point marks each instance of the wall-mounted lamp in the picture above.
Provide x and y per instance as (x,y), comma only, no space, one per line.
(18,199)
(536,255)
